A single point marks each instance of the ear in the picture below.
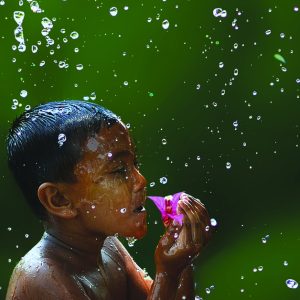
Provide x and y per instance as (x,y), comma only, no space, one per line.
(55,202)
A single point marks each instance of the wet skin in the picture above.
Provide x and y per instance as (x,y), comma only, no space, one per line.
(78,257)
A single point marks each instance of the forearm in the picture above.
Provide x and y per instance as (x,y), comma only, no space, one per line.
(186,288)
(164,287)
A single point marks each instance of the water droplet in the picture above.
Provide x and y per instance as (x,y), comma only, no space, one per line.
(207,228)
(26,235)
(152,184)
(19,17)
(235,124)
(163,180)
(93,96)
(123,210)
(285,263)
(61,139)
(235,72)
(23,93)
(198,86)
(9,260)
(221,65)
(113,11)
(207,290)
(219,12)
(254,93)
(79,67)
(213,222)
(35,7)
(228,165)
(164,141)
(34,48)
(125,83)
(198,157)
(27,107)
(93,206)
(165,24)
(260,268)
(9,228)
(131,241)
(268,32)
(47,23)
(74,35)
(291,283)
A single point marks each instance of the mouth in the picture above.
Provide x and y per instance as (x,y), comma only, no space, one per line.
(139,209)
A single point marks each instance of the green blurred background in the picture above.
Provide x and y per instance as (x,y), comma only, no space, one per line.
(211,87)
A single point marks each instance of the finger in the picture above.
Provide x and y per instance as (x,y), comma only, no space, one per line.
(188,219)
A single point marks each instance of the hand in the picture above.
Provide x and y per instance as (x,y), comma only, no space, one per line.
(180,245)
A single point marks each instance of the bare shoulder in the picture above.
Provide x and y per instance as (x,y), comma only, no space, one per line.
(36,277)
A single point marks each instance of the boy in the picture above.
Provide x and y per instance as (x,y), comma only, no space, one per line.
(75,164)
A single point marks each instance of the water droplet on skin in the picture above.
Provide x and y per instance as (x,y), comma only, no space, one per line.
(175,235)
(113,11)
(291,283)
(165,24)
(74,35)
(131,241)
(93,206)
(61,139)
(163,180)
(207,228)
(228,165)
(123,210)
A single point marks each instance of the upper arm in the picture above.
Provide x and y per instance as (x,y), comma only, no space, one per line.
(139,284)
(47,282)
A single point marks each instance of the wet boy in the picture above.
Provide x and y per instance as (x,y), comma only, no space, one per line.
(76,165)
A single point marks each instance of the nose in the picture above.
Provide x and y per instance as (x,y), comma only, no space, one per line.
(140,181)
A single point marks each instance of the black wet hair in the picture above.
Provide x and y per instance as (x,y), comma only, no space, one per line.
(45,143)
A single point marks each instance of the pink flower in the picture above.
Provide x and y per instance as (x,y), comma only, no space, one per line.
(168,207)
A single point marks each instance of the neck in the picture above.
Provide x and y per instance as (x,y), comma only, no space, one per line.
(85,245)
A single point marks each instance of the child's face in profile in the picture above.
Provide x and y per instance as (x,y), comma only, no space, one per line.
(110,192)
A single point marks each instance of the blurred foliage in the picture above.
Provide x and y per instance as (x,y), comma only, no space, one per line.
(171,84)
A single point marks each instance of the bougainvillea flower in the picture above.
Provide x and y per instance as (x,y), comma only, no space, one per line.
(168,207)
